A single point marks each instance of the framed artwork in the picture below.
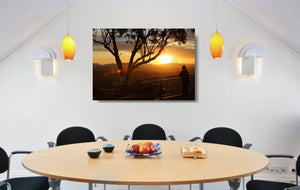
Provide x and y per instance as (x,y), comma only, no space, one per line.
(143,64)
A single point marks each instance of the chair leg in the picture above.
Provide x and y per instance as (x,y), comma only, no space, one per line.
(8,186)
(169,187)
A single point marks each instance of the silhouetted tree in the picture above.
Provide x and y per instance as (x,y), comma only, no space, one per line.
(147,45)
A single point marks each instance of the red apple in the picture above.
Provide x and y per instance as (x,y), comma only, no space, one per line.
(144,149)
(135,148)
(151,146)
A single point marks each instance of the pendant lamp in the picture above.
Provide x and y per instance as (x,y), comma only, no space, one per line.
(216,45)
(68,47)
(68,43)
(216,42)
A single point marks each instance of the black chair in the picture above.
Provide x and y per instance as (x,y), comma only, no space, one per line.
(149,132)
(72,135)
(75,134)
(275,185)
(20,183)
(225,136)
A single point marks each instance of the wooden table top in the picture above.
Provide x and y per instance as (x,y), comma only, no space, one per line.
(71,162)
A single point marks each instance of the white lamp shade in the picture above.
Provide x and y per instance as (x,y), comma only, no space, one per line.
(249,65)
(45,67)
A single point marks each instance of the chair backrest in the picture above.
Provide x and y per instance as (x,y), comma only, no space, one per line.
(149,132)
(75,134)
(223,135)
(3,161)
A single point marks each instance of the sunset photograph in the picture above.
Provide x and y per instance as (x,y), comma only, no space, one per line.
(143,64)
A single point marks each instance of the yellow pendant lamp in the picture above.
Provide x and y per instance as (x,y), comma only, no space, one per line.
(216,42)
(68,47)
(216,45)
(68,44)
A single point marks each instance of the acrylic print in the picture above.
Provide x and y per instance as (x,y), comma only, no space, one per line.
(143,64)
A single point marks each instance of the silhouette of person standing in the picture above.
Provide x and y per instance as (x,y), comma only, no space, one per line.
(184,75)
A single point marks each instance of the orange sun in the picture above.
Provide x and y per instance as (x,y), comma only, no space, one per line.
(164,59)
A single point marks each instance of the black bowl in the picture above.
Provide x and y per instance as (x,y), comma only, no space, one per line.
(94,153)
(108,147)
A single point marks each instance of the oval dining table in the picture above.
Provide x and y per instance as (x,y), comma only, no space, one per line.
(71,162)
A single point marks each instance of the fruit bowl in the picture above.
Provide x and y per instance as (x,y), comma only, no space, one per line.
(156,152)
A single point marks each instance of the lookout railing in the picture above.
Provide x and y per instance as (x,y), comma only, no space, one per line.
(166,86)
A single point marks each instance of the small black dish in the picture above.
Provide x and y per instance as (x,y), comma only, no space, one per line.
(108,147)
(94,153)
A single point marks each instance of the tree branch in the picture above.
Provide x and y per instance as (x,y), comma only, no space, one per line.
(163,42)
(149,60)
(105,43)
(134,51)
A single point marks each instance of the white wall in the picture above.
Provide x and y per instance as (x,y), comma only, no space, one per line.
(264,110)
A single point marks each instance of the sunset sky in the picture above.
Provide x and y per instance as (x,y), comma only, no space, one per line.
(173,53)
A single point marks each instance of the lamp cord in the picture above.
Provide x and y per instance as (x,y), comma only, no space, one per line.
(216,16)
(68,15)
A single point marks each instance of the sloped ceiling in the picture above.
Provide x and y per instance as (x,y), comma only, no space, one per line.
(280,17)
(20,20)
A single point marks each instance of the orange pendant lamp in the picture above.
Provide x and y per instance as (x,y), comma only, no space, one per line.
(68,44)
(68,47)
(216,42)
(216,45)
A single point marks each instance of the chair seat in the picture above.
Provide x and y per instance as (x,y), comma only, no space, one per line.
(266,185)
(28,183)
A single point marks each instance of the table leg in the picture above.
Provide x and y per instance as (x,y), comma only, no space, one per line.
(54,184)
(234,184)
(90,186)
(243,183)
(201,186)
